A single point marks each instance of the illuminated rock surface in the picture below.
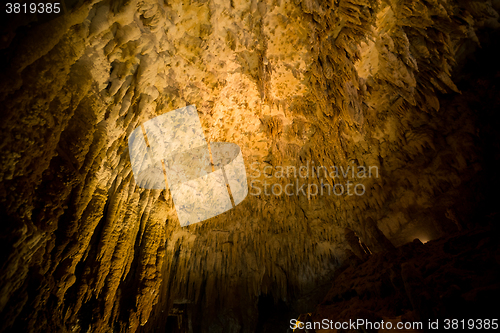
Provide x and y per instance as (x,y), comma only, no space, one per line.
(385,84)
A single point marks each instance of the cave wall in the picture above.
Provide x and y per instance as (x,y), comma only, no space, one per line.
(453,277)
(338,83)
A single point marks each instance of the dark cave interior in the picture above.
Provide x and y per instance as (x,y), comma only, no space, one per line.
(411,88)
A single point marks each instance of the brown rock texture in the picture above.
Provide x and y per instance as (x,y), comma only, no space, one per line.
(346,83)
(455,277)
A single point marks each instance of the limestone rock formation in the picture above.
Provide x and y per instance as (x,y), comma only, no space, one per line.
(383,86)
(450,278)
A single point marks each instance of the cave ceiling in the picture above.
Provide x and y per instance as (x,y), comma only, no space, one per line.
(358,84)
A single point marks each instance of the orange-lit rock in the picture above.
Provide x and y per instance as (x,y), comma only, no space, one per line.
(398,86)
